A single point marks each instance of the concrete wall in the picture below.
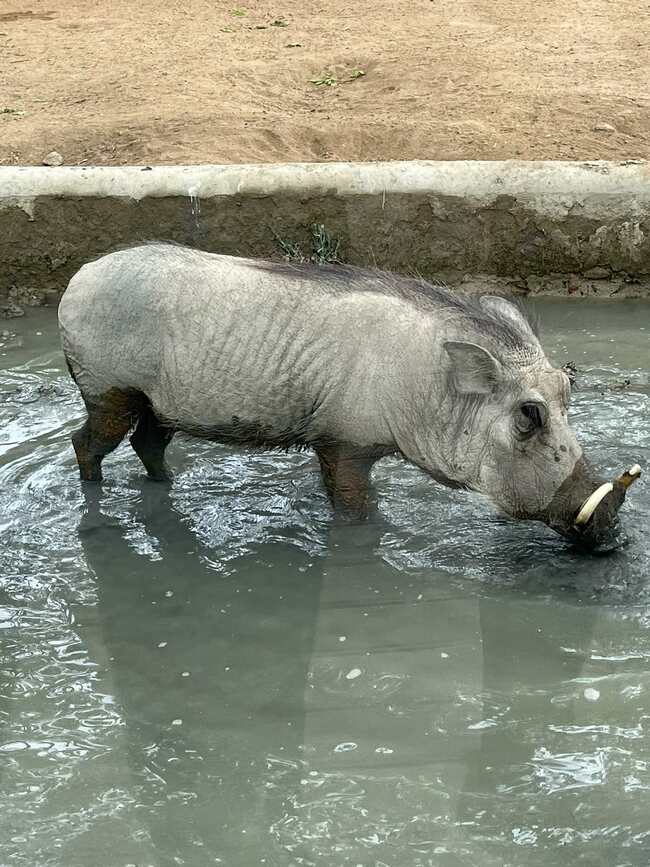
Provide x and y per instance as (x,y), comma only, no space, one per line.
(538,226)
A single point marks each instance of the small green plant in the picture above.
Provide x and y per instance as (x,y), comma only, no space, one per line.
(227,29)
(327,79)
(238,13)
(324,247)
(15,111)
(291,252)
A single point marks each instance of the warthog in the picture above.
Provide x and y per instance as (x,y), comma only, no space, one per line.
(354,364)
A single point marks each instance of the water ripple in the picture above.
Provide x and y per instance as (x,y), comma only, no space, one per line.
(220,674)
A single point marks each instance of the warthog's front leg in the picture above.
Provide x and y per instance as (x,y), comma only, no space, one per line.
(346,474)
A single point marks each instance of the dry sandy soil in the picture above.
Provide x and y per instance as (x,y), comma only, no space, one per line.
(123,82)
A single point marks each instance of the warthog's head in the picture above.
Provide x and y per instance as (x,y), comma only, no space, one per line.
(505,430)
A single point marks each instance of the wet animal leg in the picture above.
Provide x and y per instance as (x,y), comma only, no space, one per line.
(110,417)
(346,474)
(149,441)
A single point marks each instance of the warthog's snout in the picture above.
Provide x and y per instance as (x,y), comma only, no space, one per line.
(585,509)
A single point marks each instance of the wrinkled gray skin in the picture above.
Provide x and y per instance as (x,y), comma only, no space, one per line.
(354,364)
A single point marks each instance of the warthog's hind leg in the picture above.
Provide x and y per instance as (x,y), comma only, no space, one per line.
(110,417)
(149,441)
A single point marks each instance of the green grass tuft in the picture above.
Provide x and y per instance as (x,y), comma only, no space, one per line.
(325,248)
(325,80)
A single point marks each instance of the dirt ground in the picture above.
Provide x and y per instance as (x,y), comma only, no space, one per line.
(200,81)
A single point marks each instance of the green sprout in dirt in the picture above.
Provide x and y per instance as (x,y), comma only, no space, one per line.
(238,13)
(325,248)
(291,252)
(328,79)
(325,80)
(14,111)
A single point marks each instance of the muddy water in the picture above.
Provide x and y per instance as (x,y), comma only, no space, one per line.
(217,675)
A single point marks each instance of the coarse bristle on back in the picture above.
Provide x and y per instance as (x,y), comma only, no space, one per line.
(481,319)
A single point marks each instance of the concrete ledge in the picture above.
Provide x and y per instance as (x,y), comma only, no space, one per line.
(537,226)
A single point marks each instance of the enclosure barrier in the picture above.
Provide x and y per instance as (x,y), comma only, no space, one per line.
(576,228)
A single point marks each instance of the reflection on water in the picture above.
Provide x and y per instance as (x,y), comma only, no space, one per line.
(219,674)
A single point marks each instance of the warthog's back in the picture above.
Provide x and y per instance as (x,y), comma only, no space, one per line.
(210,338)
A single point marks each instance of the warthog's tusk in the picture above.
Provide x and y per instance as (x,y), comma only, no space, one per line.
(630,476)
(591,504)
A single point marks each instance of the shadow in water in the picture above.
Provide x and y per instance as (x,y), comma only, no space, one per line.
(295,708)
(209,671)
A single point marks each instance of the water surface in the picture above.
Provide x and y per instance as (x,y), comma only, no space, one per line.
(217,674)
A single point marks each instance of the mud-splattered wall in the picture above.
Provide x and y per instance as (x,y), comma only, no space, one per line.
(531,227)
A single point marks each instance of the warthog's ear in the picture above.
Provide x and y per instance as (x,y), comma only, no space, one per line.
(474,370)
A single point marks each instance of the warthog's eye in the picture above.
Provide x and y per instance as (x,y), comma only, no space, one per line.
(531,417)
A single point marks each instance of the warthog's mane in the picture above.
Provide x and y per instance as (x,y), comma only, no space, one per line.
(423,295)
